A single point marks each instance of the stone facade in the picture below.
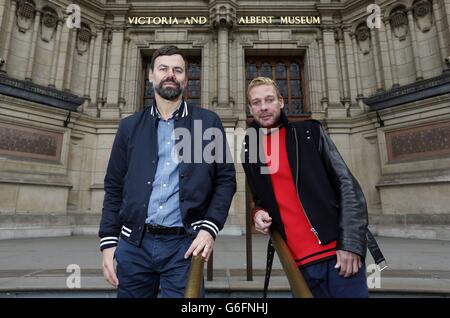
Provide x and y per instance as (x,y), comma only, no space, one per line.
(63,91)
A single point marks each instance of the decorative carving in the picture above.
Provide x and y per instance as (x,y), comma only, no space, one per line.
(399,24)
(49,24)
(422,14)
(25,15)
(417,143)
(30,143)
(49,20)
(362,34)
(83,38)
(422,9)
(338,35)
(223,15)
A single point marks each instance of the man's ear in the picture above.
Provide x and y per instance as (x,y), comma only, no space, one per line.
(251,109)
(281,100)
(150,76)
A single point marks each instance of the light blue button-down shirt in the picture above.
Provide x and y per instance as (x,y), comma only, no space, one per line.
(164,205)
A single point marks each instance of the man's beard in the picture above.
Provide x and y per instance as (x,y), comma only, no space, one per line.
(169,93)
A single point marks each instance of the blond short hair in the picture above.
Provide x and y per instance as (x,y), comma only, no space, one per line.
(257,81)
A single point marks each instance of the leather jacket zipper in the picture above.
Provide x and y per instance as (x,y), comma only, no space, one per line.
(316,234)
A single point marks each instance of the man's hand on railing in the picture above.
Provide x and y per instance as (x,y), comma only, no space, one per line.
(262,221)
(203,243)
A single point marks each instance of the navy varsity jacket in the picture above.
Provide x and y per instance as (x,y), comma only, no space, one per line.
(206,188)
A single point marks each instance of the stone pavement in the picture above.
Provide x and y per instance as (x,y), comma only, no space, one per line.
(40,265)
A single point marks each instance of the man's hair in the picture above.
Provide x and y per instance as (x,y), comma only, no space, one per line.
(167,50)
(257,81)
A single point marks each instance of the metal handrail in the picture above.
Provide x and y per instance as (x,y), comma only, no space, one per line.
(195,277)
(298,285)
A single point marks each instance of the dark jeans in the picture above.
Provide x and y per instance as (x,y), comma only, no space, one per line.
(324,281)
(158,262)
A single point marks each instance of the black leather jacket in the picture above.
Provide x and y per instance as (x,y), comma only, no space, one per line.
(332,198)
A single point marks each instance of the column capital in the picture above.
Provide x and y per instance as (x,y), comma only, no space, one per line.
(118,28)
(100,27)
(346,28)
(222,14)
(107,34)
(329,27)
(338,35)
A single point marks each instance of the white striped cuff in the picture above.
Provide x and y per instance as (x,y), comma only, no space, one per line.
(207,225)
(108,241)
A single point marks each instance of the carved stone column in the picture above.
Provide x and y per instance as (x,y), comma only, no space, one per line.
(393,59)
(412,31)
(88,77)
(343,70)
(323,83)
(439,18)
(71,48)
(335,108)
(55,55)
(37,22)
(359,87)
(376,53)
(223,17)
(9,28)
(111,109)
(350,64)
(123,78)
(385,58)
(104,64)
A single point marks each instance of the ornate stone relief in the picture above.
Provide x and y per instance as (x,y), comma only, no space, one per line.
(26,11)
(399,24)
(362,34)
(83,38)
(48,24)
(422,14)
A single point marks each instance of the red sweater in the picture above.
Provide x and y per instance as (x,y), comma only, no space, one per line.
(302,242)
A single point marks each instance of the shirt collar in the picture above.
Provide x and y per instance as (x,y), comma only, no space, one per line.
(181,111)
